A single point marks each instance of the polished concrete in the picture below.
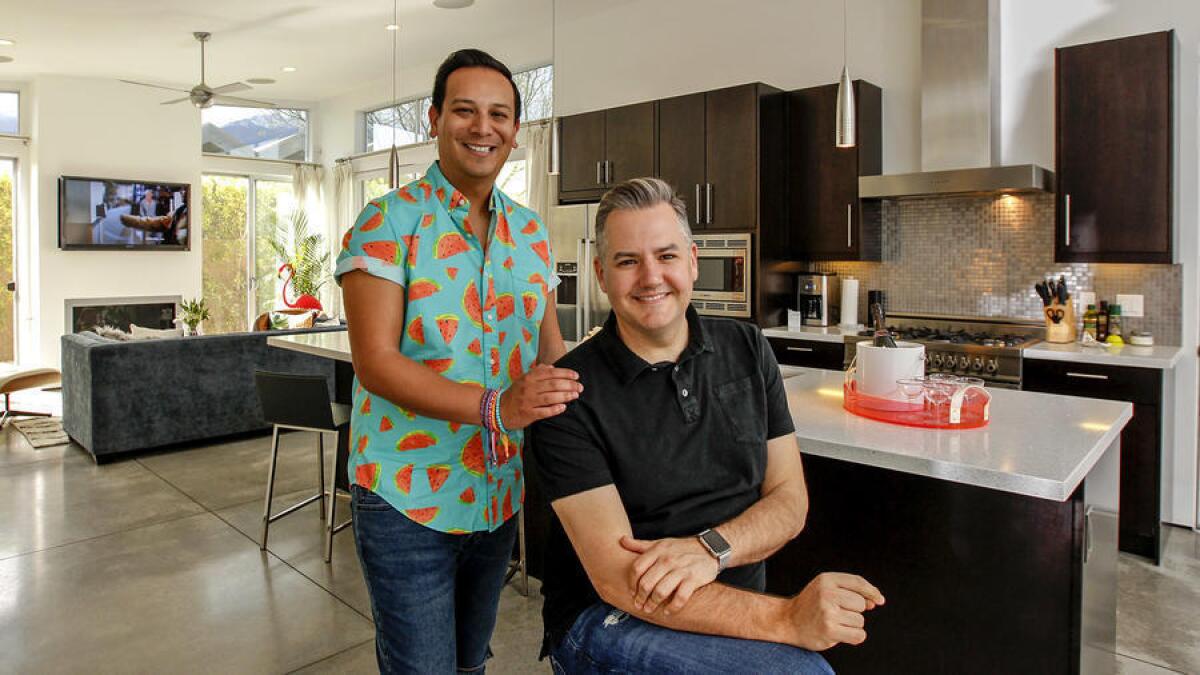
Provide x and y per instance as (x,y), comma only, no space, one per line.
(151,564)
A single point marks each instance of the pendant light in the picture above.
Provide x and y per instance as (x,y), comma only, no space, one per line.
(394,155)
(845,124)
(555,123)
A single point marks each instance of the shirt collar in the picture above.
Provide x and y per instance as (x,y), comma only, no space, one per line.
(629,365)
(455,201)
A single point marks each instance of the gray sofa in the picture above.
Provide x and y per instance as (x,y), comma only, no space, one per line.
(124,396)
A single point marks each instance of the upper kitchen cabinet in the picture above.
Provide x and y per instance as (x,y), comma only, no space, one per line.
(1114,139)
(713,147)
(600,149)
(828,221)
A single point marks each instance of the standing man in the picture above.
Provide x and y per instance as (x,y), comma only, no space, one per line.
(447,285)
(674,476)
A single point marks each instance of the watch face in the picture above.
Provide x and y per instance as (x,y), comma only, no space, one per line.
(715,542)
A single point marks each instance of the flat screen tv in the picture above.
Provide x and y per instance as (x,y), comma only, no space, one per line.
(106,213)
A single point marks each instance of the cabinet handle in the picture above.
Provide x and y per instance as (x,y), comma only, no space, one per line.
(599,174)
(1087,376)
(607,172)
(708,192)
(799,349)
(849,220)
(1068,219)
(698,212)
(1087,533)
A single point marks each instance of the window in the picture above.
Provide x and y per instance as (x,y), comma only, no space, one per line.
(271,133)
(10,117)
(512,181)
(7,225)
(411,118)
(239,273)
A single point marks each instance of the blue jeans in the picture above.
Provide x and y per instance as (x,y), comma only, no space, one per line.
(607,640)
(433,595)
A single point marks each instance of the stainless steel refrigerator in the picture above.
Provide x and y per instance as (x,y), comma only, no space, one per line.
(581,304)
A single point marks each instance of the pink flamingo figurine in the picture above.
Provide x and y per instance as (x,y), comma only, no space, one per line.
(304,301)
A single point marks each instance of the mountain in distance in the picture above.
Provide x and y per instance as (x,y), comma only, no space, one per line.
(250,132)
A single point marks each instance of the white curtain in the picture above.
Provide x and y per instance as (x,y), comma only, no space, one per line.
(345,210)
(537,154)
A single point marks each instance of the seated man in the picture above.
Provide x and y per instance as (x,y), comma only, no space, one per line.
(674,475)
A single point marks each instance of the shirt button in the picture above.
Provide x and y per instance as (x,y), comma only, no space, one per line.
(684,393)
(677,369)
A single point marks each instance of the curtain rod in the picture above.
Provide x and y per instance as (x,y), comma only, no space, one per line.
(24,139)
(363,155)
(260,159)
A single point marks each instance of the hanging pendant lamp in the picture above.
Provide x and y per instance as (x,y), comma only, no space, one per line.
(555,123)
(394,154)
(845,122)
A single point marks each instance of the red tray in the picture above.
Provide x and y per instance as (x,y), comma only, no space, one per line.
(974,410)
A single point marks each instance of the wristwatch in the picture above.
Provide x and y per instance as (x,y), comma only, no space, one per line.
(717,547)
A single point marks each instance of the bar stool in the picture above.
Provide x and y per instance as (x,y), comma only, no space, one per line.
(301,402)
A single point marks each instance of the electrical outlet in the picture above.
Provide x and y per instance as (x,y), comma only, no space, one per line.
(1086,298)
(1131,305)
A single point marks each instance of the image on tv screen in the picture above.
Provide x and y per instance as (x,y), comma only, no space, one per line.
(102,212)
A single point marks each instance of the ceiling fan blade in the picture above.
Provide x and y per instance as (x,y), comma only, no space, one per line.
(176,100)
(155,86)
(231,88)
(237,100)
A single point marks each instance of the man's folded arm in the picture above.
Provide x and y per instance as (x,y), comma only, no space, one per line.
(595,521)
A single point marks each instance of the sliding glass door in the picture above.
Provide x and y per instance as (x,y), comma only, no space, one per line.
(8,221)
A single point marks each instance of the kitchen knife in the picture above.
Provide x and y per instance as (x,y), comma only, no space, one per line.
(1062,290)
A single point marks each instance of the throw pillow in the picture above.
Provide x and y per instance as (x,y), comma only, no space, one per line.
(112,333)
(287,320)
(142,333)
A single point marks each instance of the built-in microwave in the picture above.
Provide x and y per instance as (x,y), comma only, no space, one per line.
(723,285)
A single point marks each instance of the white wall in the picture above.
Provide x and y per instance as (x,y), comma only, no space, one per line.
(1030,30)
(102,128)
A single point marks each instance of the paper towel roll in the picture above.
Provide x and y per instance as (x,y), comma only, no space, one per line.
(849,302)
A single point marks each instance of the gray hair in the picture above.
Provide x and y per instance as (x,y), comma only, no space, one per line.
(636,194)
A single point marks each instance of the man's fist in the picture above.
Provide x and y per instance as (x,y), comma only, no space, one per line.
(830,610)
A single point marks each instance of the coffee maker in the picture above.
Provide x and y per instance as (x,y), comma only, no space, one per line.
(815,298)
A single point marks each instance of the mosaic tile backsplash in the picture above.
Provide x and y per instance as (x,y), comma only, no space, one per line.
(981,256)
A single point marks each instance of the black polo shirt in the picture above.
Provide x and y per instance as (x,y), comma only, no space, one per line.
(684,443)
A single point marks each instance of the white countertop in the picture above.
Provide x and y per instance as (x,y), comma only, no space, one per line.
(330,344)
(1159,356)
(830,334)
(1038,445)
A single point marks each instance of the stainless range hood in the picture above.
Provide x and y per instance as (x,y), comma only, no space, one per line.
(960,110)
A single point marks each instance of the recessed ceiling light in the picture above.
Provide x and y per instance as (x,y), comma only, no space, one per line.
(392,26)
(6,59)
(453,4)
(261,80)
(288,69)
(7,42)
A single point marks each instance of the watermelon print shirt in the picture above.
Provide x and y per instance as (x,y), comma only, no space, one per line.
(472,318)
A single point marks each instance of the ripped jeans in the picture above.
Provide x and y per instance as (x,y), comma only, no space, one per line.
(607,640)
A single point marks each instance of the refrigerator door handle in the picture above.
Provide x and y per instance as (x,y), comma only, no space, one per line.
(581,276)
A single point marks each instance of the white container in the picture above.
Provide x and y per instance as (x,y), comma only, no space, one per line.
(849,303)
(878,368)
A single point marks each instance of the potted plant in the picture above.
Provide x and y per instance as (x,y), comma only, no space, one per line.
(194,311)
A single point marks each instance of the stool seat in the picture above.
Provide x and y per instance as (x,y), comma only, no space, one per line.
(341,414)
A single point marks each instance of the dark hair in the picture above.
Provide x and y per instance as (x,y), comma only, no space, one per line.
(472,58)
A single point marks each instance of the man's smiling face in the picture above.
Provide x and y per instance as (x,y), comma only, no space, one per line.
(476,126)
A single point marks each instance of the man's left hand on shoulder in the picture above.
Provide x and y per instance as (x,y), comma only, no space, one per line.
(668,570)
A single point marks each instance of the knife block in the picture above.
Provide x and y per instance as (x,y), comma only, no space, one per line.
(1064,330)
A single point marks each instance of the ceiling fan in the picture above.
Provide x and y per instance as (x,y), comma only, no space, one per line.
(202,95)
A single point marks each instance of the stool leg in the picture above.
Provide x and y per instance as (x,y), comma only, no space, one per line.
(270,486)
(321,468)
(331,517)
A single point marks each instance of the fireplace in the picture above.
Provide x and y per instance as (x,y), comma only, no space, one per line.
(148,312)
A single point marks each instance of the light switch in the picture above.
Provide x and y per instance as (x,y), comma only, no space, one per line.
(1131,305)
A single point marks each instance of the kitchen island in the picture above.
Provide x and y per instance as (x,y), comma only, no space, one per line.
(995,547)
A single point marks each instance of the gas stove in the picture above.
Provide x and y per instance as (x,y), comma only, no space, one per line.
(989,349)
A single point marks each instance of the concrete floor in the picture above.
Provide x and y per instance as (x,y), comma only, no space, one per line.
(151,564)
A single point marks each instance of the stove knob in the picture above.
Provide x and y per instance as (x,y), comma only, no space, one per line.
(936,360)
(977,364)
(992,366)
(963,362)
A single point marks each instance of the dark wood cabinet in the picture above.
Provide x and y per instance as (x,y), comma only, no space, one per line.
(1141,441)
(827,219)
(1114,144)
(808,353)
(709,149)
(602,148)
